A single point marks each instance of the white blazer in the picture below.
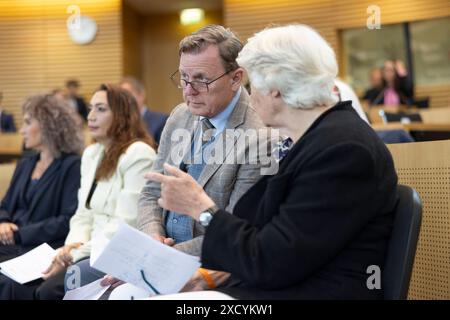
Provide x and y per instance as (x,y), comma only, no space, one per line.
(114,200)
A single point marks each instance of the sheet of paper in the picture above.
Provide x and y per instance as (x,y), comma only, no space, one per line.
(91,291)
(137,258)
(98,244)
(29,266)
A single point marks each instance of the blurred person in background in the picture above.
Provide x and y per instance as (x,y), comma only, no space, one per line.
(344,92)
(154,121)
(6,119)
(396,86)
(75,100)
(376,84)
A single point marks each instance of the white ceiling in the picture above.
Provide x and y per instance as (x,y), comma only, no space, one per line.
(166,6)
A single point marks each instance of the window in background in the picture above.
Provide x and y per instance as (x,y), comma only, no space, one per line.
(366,49)
(430,41)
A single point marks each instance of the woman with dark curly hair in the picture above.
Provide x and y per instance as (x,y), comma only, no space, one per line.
(42,196)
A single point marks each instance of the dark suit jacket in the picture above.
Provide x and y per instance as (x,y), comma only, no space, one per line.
(154,122)
(81,107)
(7,122)
(52,206)
(311,231)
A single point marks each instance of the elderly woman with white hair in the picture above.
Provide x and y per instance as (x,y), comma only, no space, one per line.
(312,230)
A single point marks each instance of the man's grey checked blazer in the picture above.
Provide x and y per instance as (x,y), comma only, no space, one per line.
(224,183)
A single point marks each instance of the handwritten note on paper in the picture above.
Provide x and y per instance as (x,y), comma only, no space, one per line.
(137,258)
(29,266)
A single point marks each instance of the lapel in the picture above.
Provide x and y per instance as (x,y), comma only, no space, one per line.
(103,187)
(192,122)
(43,182)
(236,119)
(27,171)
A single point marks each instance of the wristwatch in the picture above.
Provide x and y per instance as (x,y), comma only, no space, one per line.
(206,216)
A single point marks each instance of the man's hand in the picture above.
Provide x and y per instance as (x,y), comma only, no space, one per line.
(164,240)
(7,233)
(180,192)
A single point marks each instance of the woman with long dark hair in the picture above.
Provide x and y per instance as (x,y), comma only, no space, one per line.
(395,89)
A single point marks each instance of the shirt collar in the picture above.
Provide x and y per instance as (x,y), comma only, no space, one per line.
(144,110)
(220,121)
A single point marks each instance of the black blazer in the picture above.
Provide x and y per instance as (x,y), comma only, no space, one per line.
(7,122)
(81,107)
(312,230)
(53,204)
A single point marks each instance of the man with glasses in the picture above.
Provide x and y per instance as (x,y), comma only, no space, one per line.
(215,103)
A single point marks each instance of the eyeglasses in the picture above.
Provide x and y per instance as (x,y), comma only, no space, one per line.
(198,86)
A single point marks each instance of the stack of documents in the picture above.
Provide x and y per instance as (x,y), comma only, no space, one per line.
(138,259)
(29,266)
(91,291)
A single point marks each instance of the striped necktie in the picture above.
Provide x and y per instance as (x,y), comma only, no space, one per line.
(207,131)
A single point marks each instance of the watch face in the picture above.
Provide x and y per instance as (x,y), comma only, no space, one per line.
(205,218)
(85,32)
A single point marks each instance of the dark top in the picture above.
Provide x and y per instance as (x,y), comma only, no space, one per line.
(154,122)
(31,189)
(91,193)
(312,230)
(21,214)
(375,96)
(42,211)
(81,107)
(7,122)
